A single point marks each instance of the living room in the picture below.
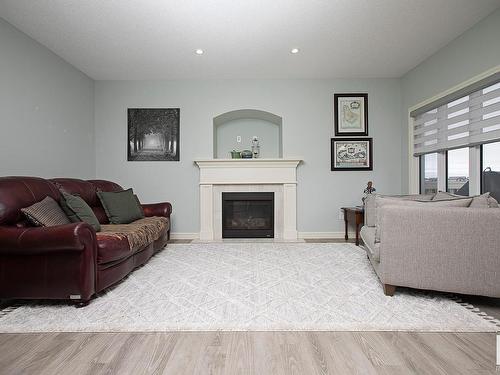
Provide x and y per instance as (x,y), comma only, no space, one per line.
(206,168)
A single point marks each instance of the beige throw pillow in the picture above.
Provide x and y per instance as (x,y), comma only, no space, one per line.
(480,201)
(445,196)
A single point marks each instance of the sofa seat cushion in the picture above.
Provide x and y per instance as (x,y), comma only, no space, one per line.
(368,236)
(140,233)
(112,247)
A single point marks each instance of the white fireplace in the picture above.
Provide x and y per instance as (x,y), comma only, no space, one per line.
(278,176)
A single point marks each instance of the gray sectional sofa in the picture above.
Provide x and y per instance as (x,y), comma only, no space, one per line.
(437,242)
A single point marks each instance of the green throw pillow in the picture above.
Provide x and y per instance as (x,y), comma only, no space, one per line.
(78,210)
(121,207)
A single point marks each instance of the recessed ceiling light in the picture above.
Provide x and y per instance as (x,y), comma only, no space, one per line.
(294,50)
(199,51)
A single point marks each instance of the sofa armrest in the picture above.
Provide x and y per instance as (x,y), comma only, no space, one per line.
(448,249)
(157,209)
(42,240)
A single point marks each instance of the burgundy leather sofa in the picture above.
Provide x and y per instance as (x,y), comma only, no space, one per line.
(67,261)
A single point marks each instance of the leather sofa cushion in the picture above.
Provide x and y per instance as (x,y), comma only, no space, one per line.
(141,232)
(119,241)
(20,192)
(88,191)
(84,189)
(111,248)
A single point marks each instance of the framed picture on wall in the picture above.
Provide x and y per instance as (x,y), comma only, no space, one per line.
(351,154)
(350,114)
(153,134)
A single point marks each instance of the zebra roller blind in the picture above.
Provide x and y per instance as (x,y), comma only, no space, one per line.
(470,120)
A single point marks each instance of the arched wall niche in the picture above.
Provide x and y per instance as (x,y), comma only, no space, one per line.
(247,123)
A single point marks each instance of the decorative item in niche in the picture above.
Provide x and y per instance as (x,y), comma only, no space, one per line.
(351,154)
(246,154)
(153,134)
(255,147)
(235,154)
(351,114)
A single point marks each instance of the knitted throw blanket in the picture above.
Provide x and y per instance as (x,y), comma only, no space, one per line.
(139,233)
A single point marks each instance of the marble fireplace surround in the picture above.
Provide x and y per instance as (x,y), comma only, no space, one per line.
(248,175)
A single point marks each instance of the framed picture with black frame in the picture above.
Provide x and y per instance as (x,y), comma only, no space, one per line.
(351,154)
(350,114)
(153,134)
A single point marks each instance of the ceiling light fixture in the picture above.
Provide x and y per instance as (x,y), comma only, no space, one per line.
(294,50)
(199,51)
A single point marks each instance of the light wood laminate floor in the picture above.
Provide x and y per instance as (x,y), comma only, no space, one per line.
(257,353)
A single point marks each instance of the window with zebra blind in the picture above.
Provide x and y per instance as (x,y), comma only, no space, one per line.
(451,134)
(473,119)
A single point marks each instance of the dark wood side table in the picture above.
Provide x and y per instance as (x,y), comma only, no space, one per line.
(357,215)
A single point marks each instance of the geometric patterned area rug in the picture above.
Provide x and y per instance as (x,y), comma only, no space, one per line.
(252,286)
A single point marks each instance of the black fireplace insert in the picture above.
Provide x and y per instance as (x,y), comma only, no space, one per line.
(248,215)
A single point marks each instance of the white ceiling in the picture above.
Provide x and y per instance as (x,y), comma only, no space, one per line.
(155,39)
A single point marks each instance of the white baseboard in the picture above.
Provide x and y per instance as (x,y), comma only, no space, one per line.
(301,235)
(184,236)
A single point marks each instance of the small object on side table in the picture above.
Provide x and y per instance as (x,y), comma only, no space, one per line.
(235,154)
(358,215)
(369,190)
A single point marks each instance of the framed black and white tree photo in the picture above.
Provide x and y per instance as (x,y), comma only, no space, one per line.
(153,134)
(351,154)
(350,114)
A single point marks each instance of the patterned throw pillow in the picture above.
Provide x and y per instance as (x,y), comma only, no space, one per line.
(45,213)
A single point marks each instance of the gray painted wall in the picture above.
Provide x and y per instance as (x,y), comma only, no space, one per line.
(472,53)
(267,132)
(47,111)
(306,107)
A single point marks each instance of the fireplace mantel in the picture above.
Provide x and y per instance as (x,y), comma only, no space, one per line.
(218,175)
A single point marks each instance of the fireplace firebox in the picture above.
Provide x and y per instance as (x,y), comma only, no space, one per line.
(248,215)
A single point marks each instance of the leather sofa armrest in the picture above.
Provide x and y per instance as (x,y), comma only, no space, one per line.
(157,209)
(42,240)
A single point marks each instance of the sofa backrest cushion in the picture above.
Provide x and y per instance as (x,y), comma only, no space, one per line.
(20,192)
(87,190)
(478,201)
(371,209)
(387,201)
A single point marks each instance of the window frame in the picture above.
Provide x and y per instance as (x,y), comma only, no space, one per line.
(481,166)
(481,169)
